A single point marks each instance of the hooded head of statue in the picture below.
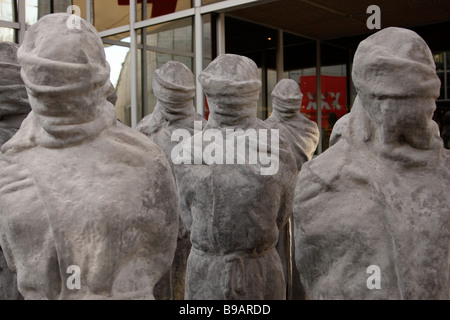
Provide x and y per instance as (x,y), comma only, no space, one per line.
(395,78)
(174,87)
(287,97)
(14,105)
(173,83)
(67,78)
(232,85)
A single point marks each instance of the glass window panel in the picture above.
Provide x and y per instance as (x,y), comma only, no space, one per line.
(165,39)
(441,76)
(156,60)
(187,61)
(36,9)
(447,91)
(156,8)
(175,35)
(439,60)
(162,58)
(7,10)
(271,83)
(153,59)
(447,54)
(7,34)
(165,42)
(119,60)
(123,104)
(207,40)
(334,96)
(116,56)
(183,38)
(117,13)
(82,5)
(262,109)
(31,11)
(44,7)
(61,5)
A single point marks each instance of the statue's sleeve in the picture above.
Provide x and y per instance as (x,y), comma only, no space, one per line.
(184,179)
(25,233)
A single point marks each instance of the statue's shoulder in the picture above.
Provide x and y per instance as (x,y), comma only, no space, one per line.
(131,145)
(324,170)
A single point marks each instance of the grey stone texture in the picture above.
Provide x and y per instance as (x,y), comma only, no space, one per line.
(302,133)
(78,188)
(14,108)
(235,213)
(379,196)
(174,87)
(303,137)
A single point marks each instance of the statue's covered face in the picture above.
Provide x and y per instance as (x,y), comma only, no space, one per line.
(174,85)
(287,97)
(66,77)
(407,120)
(232,86)
(65,71)
(395,77)
(230,113)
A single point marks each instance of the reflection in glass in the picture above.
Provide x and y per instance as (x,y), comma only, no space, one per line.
(157,8)
(271,83)
(107,14)
(262,110)
(207,40)
(6,10)
(31,12)
(439,60)
(118,59)
(115,55)
(117,13)
(44,7)
(7,34)
(164,42)
(441,76)
(447,54)
(448,85)
(175,35)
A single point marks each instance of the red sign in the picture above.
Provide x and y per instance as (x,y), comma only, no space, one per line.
(207,112)
(160,7)
(334,97)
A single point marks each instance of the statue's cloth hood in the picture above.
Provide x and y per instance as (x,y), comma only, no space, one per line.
(67,82)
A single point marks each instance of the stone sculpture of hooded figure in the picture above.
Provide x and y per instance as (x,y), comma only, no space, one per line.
(174,87)
(302,133)
(234,212)
(372,212)
(14,108)
(303,137)
(78,190)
